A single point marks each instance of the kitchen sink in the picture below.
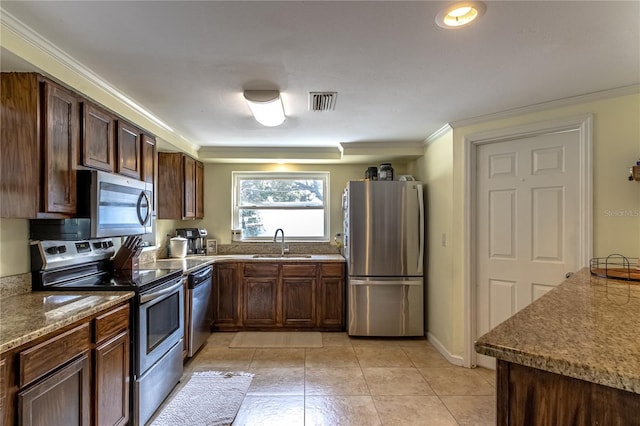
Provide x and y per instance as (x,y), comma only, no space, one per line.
(279,256)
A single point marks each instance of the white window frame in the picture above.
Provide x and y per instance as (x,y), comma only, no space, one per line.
(236,177)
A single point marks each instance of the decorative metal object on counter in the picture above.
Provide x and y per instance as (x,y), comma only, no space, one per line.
(616,266)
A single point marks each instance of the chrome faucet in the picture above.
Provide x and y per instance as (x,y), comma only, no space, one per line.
(283,250)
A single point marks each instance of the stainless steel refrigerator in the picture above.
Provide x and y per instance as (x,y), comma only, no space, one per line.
(384,249)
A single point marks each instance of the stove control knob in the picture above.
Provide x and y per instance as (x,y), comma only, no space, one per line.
(110,243)
(62,249)
(52,250)
(97,245)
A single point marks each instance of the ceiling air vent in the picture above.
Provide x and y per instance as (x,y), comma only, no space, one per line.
(322,101)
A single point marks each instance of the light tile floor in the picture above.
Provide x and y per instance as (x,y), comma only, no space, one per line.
(353,381)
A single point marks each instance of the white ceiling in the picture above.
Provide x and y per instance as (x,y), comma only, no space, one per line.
(399,76)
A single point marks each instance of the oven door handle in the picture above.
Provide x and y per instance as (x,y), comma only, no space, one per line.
(145,298)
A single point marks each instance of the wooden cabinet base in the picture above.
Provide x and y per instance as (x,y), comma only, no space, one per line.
(268,296)
(77,375)
(530,396)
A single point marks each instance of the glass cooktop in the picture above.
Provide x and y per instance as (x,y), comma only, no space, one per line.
(145,278)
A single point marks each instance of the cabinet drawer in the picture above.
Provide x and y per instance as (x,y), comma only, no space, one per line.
(332,269)
(48,355)
(299,270)
(111,323)
(261,269)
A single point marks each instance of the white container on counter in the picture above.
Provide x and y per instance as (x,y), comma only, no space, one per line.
(178,247)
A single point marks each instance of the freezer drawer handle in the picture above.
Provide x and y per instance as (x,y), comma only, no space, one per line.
(384,282)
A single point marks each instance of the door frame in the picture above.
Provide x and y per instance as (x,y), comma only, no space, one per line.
(584,125)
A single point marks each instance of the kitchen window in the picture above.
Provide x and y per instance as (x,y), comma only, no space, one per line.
(297,202)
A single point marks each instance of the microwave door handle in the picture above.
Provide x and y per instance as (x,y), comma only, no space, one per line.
(139,208)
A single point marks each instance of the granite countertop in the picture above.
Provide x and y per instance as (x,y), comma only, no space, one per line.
(191,263)
(25,317)
(587,328)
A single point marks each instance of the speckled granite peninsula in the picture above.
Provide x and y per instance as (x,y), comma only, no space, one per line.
(25,317)
(588,329)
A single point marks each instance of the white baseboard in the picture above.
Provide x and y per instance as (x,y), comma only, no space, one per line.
(453,359)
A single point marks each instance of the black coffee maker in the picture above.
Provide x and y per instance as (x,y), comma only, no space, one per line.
(196,239)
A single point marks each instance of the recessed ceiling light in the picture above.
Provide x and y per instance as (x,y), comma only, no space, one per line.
(461,14)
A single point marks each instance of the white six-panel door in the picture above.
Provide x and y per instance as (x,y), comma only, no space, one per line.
(527,234)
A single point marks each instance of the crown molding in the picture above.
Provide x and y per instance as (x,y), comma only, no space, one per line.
(51,52)
(437,134)
(255,154)
(543,106)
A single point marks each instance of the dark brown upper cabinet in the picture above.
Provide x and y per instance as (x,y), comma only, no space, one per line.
(98,131)
(129,150)
(180,186)
(40,132)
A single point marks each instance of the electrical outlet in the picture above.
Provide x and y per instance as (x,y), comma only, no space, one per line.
(444,239)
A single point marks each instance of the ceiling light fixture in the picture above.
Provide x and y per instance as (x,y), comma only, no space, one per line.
(266,106)
(461,14)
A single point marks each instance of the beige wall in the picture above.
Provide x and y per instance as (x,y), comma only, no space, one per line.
(14,247)
(217,208)
(616,211)
(435,169)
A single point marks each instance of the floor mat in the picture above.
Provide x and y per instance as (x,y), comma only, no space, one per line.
(277,339)
(210,398)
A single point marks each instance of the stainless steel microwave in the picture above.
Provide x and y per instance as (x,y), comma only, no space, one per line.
(109,205)
(117,205)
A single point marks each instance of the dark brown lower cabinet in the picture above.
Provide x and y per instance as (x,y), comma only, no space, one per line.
(78,375)
(279,295)
(60,399)
(528,396)
(226,311)
(112,381)
(260,301)
(331,296)
(299,294)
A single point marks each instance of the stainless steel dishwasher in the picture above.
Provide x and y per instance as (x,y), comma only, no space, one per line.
(200,314)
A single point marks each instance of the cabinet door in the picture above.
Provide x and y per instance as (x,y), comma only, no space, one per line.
(112,381)
(62,398)
(149,165)
(128,163)
(199,191)
(299,301)
(225,296)
(60,143)
(260,297)
(331,307)
(170,185)
(189,211)
(19,145)
(98,146)
(331,295)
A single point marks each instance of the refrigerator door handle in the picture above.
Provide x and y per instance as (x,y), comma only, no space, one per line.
(395,281)
(421,227)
